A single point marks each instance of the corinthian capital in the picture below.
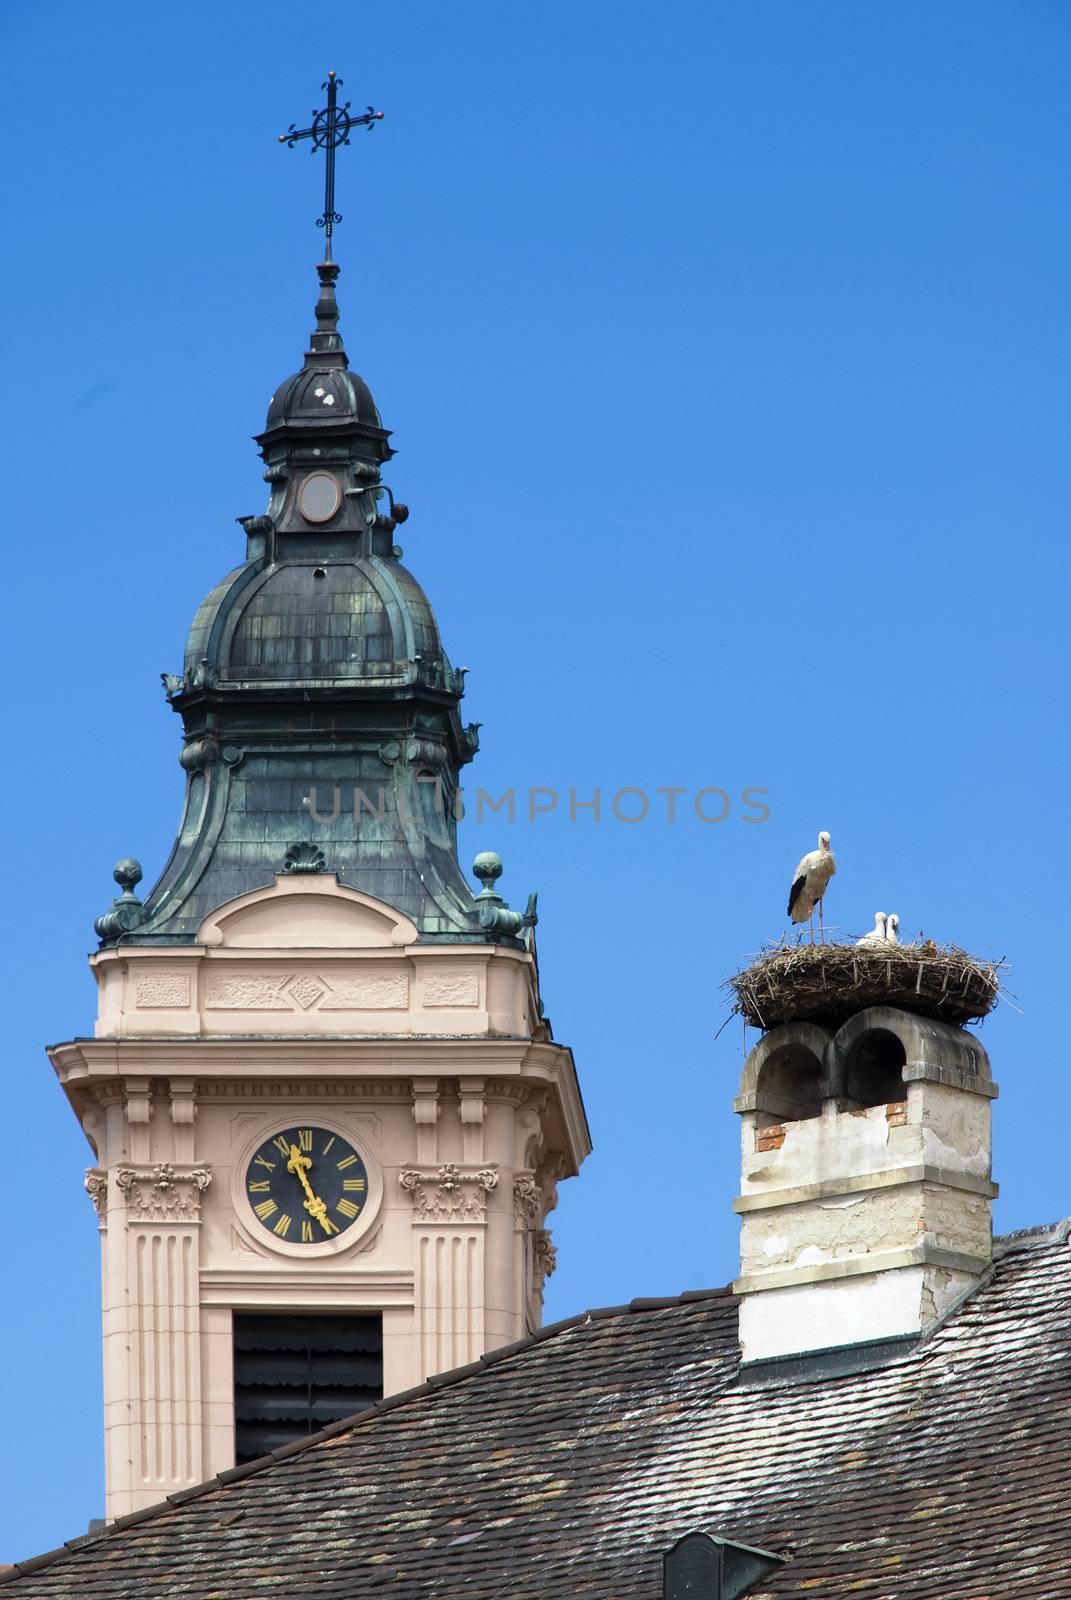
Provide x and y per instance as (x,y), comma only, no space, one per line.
(449,1193)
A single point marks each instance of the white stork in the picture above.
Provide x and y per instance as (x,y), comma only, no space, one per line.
(891,925)
(809,885)
(877,934)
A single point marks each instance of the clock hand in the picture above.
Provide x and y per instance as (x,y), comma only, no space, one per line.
(313,1204)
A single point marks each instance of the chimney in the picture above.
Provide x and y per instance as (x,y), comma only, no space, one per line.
(865,1197)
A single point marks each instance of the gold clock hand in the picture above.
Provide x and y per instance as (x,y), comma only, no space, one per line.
(313,1204)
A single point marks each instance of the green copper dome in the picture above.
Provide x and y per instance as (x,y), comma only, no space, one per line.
(321,717)
(365,620)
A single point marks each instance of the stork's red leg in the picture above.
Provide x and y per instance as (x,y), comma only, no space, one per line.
(821,924)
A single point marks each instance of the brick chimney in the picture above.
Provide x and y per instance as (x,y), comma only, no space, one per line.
(866,1194)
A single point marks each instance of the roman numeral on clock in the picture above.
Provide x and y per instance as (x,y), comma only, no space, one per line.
(347,1208)
(266,1209)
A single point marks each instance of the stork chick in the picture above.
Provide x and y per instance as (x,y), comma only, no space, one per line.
(877,934)
(809,885)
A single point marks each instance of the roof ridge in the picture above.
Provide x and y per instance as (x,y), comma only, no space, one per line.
(333,1430)
(1046,1233)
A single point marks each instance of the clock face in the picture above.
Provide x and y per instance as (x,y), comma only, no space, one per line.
(320,497)
(306,1185)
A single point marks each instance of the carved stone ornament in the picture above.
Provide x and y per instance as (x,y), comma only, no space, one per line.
(544,1257)
(304,857)
(449,1193)
(162,1194)
(97,1190)
(526,1197)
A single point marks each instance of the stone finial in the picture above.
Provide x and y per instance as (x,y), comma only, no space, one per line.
(127,912)
(305,857)
(495,917)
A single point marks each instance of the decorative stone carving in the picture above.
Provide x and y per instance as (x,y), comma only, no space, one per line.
(282,991)
(451,989)
(304,857)
(306,1089)
(368,992)
(162,1194)
(97,1190)
(153,990)
(544,1257)
(248,991)
(547,1177)
(306,991)
(449,1194)
(526,1197)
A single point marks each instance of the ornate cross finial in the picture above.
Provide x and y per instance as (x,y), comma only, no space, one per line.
(330,128)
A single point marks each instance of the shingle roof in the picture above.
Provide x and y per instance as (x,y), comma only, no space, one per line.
(565,1465)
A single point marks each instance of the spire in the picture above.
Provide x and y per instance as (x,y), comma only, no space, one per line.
(326,340)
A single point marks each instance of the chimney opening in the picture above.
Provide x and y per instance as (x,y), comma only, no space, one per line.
(791,1085)
(874,1069)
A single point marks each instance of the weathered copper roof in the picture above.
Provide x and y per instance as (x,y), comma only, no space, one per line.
(321,393)
(564,1466)
(353,618)
(318,705)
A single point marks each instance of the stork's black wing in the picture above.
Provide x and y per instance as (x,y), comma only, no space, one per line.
(795,891)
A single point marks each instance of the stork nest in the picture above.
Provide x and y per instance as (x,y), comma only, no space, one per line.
(828,983)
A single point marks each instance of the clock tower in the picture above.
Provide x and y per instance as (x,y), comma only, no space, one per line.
(327,1114)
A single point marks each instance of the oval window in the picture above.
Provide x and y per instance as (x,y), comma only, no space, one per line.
(320,497)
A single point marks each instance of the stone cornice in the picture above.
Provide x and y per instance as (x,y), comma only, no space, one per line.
(862,1183)
(84,1064)
(316,1281)
(168,955)
(925,1253)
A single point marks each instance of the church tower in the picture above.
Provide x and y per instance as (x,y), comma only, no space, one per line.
(327,1113)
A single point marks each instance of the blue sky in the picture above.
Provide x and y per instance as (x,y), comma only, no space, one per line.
(726,349)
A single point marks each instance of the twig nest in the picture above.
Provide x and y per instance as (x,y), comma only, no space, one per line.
(828,983)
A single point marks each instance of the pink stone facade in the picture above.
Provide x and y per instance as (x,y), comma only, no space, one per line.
(307,1002)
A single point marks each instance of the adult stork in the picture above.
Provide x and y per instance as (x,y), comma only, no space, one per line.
(892,923)
(809,885)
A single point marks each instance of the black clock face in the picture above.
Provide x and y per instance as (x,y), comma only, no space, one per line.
(307,1185)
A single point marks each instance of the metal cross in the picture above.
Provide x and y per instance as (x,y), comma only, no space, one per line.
(330,128)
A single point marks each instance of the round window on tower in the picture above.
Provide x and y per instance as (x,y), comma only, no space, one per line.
(320,497)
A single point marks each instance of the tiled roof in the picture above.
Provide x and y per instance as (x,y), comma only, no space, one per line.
(562,1467)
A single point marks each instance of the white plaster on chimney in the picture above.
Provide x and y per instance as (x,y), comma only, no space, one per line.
(865,1224)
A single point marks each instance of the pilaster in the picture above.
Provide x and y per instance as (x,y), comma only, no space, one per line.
(450,1290)
(153,1389)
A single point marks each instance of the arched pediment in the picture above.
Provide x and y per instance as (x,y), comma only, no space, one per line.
(309,911)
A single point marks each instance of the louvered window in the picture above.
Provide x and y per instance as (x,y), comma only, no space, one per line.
(294,1374)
